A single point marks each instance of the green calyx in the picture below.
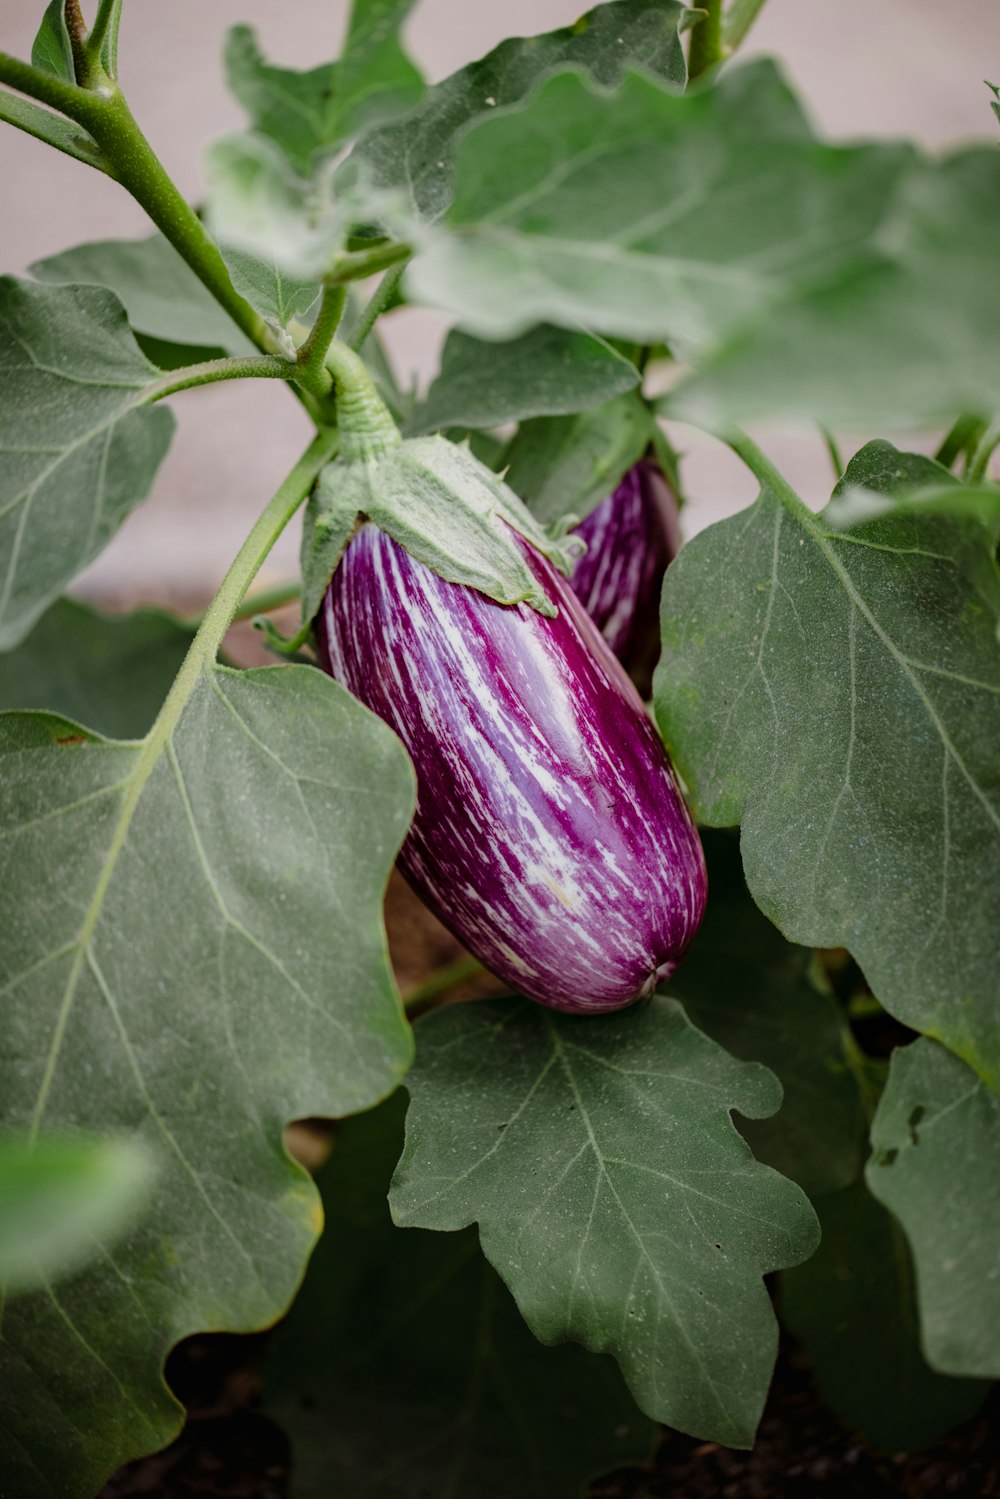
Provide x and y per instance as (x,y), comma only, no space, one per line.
(439,502)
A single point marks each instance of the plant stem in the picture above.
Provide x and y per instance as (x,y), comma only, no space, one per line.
(442,982)
(267,599)
(832,447)
(765,472)
(961,438)
(376,305)
(367,429)
(742,14)
(705,48)
(263,367)
(67,98)
(980,458)
(355,264)
(312,355)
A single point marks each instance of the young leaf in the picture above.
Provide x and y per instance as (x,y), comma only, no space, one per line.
(837,693)
(612,1193)
(162,296)
(193,952)
(415,1335)
(565,465)
(52,50)
(53,129)
(547,372)
(77,451)
(111,670)
(306,113)
(415,156)
(749,989)
(645,214)
(936,1143)
(275,296)
(63,1199)
(853,1307)
(907,337)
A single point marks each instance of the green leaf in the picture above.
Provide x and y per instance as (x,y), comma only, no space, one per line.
(161,294)
(547,372)
(645,214)
(750,990)
(907,338)
(936,1143)
(565,465)
(77,451)
(837,693)
(62,1201)
(112,671)
(193,953)
(853,1307)
(306,113)
(52,50)
(415,156)
(880,480)
(275,296)
(64,135)
(405,1333)
(612,1192)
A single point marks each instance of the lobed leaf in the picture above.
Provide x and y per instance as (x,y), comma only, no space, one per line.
(907,337)
(644,214)
(936,1143)
(193,954)
(612,1192)
(77,451)
(406,1333)
(547,372)
(837,694)
(853,1307)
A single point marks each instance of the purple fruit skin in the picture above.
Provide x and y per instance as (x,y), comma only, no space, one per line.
(631,537)
(550,835)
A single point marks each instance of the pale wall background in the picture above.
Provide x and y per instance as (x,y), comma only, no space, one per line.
(868,67)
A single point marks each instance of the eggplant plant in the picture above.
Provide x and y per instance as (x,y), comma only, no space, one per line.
(549,1214)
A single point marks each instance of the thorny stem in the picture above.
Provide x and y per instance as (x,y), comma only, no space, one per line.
(705,50)
(376,305)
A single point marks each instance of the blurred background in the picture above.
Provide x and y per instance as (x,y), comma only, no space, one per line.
(896,68)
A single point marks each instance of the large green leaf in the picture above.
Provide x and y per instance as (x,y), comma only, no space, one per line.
(547,372)
(853,1307)
(612,1192)
(193,952)
(837,693)
(162,296)
(405,1333)
(414,157)
(306,113)
(77,452)
(645,214)
(936,1143)
(750,990)
(60,1196)
(111,671)
(565,465)
(908,338)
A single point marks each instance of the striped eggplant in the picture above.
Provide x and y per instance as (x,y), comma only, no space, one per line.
(631,537)
(550,835)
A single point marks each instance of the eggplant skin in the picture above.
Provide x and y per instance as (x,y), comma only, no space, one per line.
(631,537)
(550,834)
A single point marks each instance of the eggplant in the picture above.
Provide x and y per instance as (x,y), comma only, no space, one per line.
(631,538)
(550,834)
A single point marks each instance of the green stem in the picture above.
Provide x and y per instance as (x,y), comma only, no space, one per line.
(705,48)
(77,29)
(742,14)
(355,264)
(765,472)
(376,305)
(261,367)
(962,437)
(979,461)
(312,355)
(67,98)
(442,982)
(367,429)
(833,448)
(267,599)
(103,31)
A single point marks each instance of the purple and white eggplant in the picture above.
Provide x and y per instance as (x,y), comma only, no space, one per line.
(631,538)
(550,835)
